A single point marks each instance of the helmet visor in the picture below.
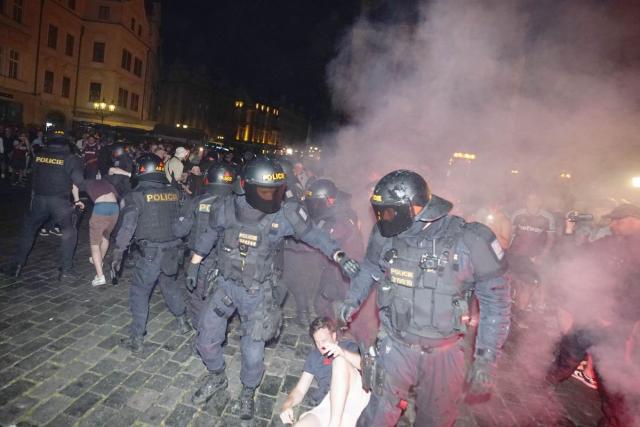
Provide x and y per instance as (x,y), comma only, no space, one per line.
(393,219)
(317,207)
(265,199)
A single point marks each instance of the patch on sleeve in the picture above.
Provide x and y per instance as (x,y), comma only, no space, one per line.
(497,249)
(275,225)
(303,214)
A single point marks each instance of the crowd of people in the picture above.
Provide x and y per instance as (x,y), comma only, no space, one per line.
(256,228)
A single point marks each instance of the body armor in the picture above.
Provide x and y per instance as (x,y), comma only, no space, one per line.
(420,294)
(247,251)
(158,210)
(50,176)
(202,210)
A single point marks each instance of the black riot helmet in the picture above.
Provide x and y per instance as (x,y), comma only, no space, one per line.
(320,197)
(397,194)
(220,179)
(264,183)
(150,167)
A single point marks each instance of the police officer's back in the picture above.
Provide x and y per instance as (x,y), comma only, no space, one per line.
(55,170)
(148,216)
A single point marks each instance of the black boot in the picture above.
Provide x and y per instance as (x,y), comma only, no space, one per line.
(183,324)
(216,382)
(133,343)
(247,405)
(12,270)
(64,275)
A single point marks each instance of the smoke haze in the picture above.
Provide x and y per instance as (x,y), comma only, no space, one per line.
(537,87)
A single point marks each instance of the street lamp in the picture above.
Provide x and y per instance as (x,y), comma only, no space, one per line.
(103,109)
(635,182)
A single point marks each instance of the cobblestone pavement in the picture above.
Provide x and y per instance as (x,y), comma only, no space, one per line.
(60,364)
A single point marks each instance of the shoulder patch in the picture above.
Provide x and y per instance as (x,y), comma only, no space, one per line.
(497,249)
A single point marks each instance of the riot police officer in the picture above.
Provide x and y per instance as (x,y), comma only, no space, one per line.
(426,264)
(331,212)
(149,213)
(56,173)
(195,222)
(247,230)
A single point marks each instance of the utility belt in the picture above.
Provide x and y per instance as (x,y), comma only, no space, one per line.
(144,243)
(425,345)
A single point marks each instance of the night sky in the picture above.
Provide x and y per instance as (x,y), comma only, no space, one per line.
(277,50)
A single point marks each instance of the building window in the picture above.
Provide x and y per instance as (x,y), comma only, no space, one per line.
(66,87)
(52,39)
(140,30)
(98,51)
(48,81)
(104,13)
(72,4)
(95,91)
(126,59)
(135,100)
(17,10)
(137,67)
(14,62)
(133,24)
(68,49)
(123,98)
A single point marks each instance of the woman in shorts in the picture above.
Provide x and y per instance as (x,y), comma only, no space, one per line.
(102,222)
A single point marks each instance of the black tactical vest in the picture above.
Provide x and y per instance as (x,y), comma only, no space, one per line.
(201,223)
(50,176)
(158,210)
(246,253)
(420,294)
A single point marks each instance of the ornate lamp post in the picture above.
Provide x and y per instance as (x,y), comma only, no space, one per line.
(103,109)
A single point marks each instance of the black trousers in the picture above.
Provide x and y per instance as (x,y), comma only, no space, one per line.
(60,211)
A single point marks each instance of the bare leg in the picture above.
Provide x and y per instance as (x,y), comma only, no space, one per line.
(104,247)
(309,420)
(340,383)
(96,256)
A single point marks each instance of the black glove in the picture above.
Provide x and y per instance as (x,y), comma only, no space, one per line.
(116,260)
(346,312)
(349,267)
(480,380)
(192,276)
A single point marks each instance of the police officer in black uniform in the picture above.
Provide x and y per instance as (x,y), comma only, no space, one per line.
(331,212)
(122,160)
(247,230)
(148,216)
(426,263)
(56,173)
(195,222)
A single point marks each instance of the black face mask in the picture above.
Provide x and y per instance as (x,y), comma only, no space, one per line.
(393,220)
(317,208)
(264,199)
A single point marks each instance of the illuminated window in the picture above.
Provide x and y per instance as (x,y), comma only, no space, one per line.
(48,82)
